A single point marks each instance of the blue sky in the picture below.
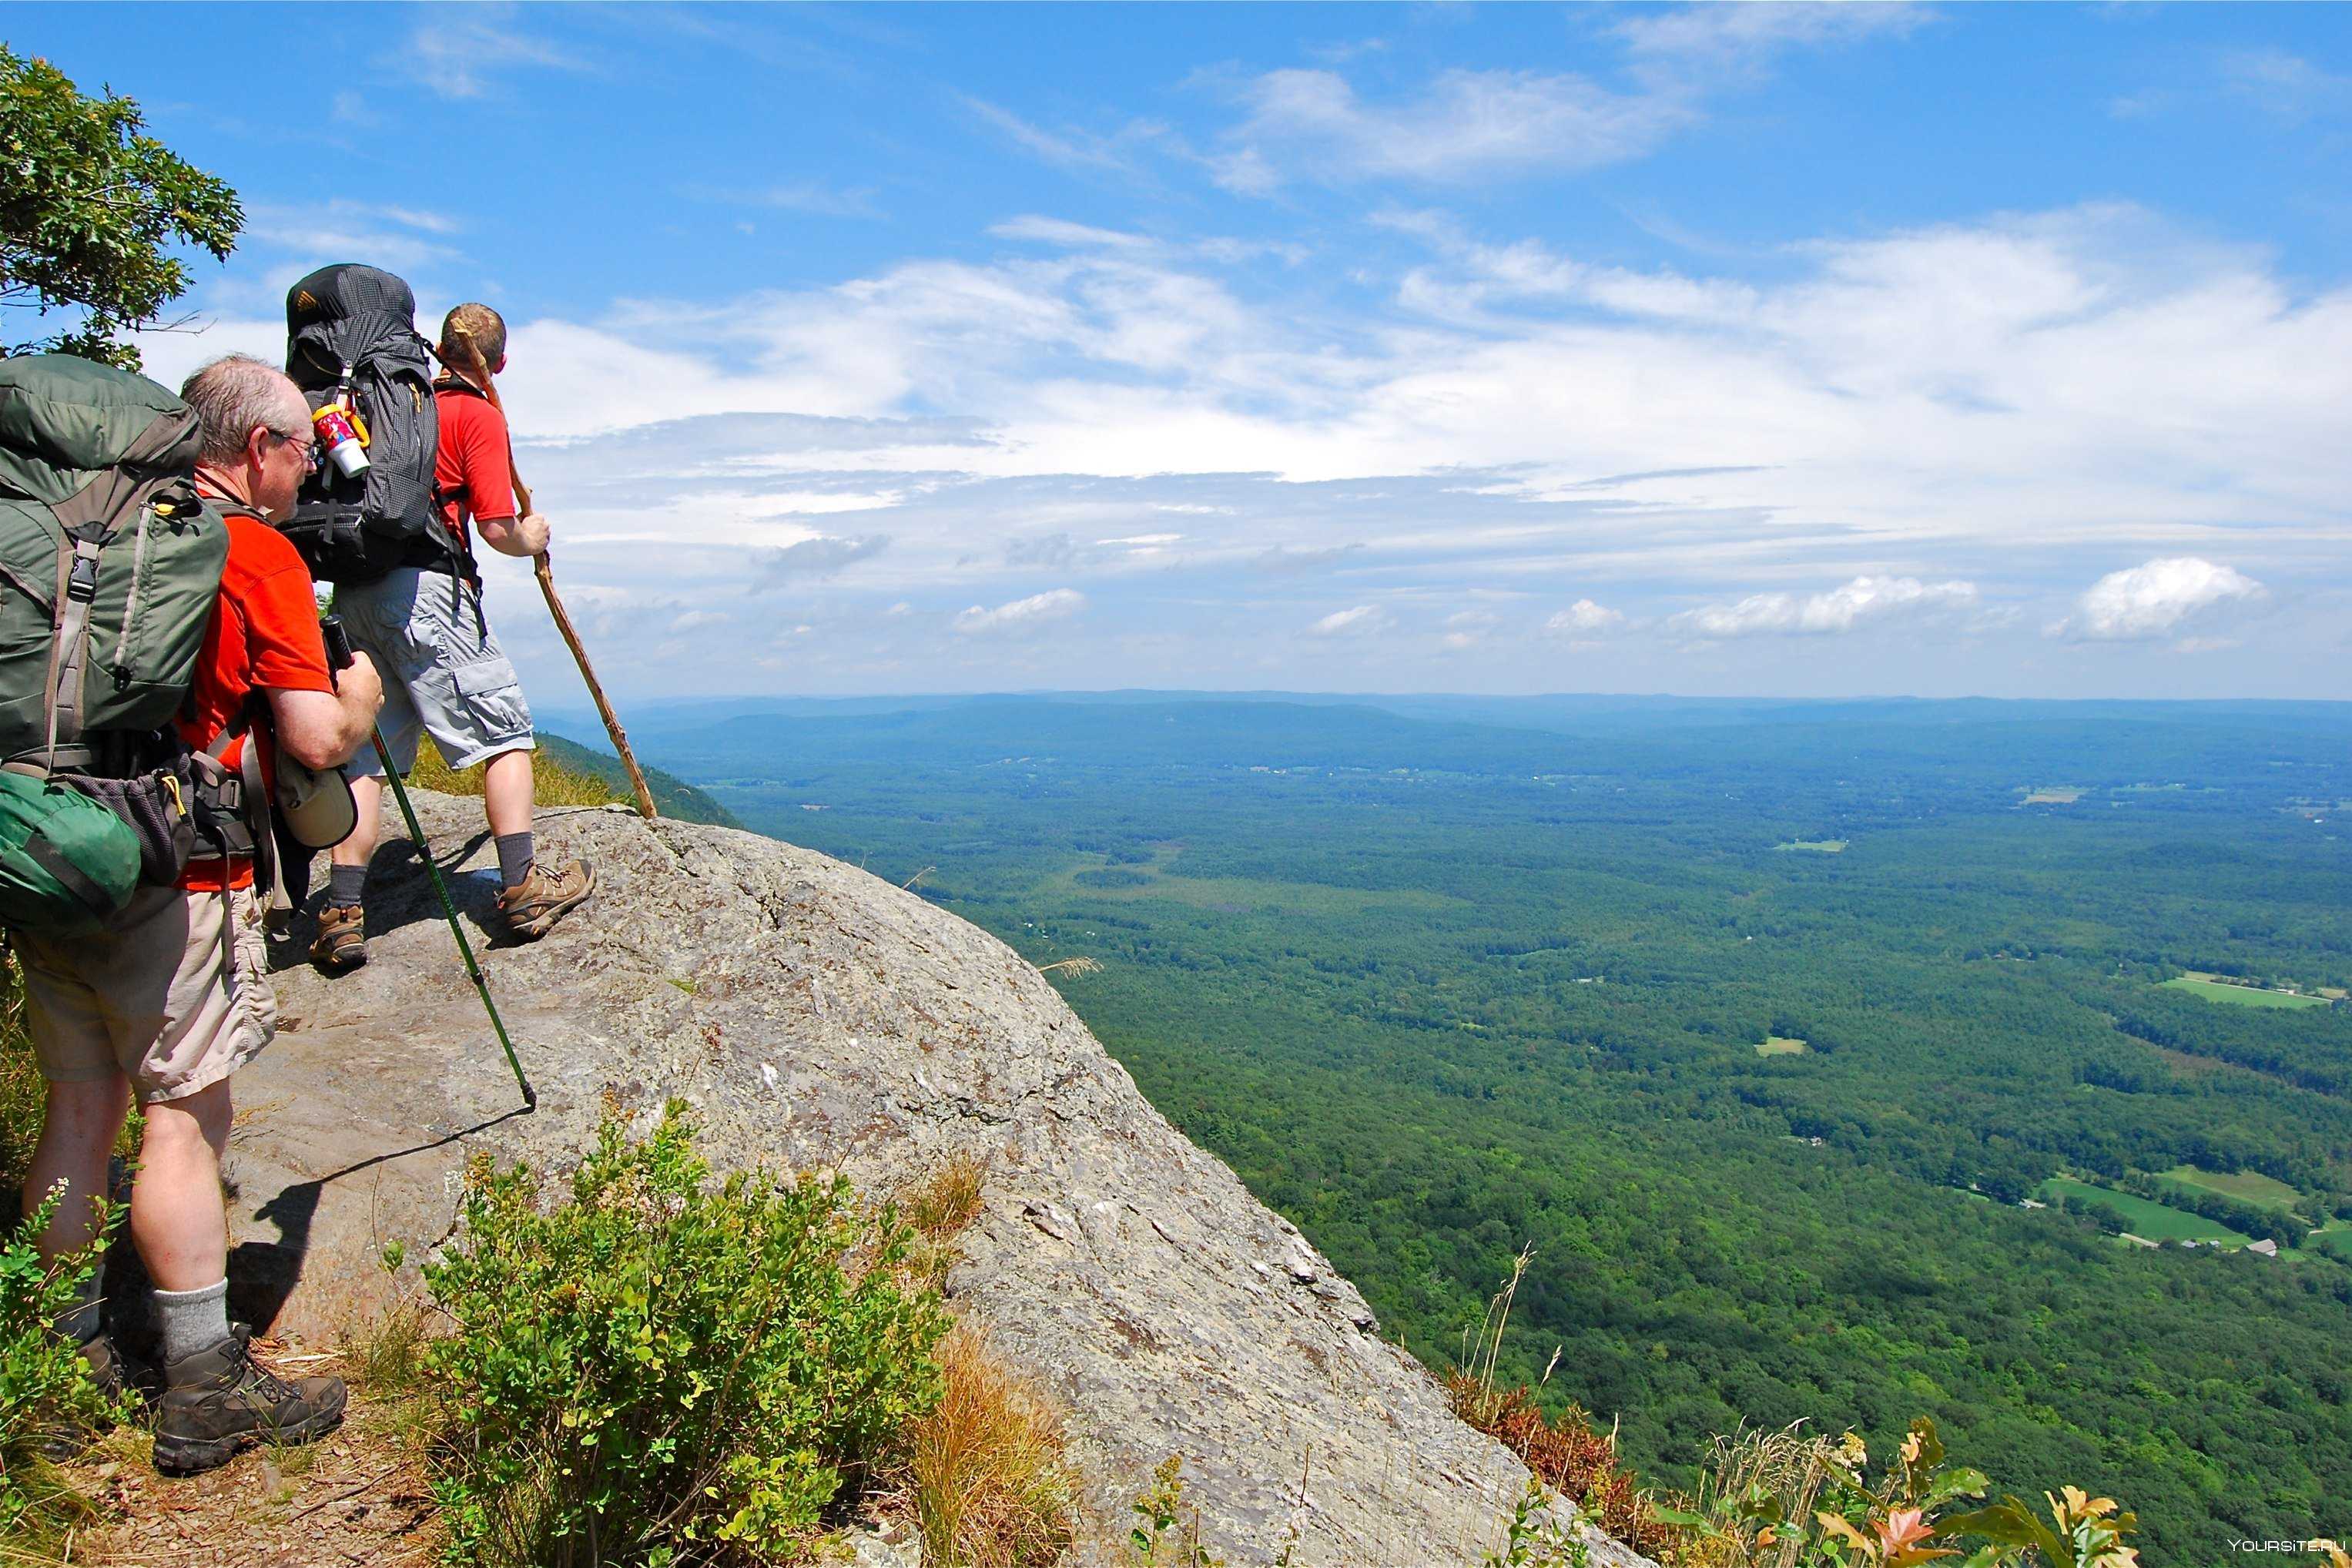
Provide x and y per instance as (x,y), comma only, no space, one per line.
(1727,349)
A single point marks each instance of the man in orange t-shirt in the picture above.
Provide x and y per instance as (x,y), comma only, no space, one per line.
(173,995)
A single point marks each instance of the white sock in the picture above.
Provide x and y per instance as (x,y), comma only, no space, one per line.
(193,1320)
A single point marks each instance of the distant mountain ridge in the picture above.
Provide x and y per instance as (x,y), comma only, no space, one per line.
(673,796)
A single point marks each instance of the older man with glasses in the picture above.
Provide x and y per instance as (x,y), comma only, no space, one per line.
(172,996)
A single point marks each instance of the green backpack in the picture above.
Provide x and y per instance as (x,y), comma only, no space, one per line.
(108,568)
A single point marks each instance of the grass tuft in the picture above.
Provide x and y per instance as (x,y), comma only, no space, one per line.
(551,782)
(937,1207)
(984,1480)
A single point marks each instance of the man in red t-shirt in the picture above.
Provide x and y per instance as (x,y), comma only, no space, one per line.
(445,670)
(172,996)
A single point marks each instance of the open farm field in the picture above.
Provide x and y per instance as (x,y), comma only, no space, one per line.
(2246,1186)
(2155,1221)
(2333,1240)
(1779,1045)
(2242,995)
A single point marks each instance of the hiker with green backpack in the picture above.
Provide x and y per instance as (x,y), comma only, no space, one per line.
(159,645)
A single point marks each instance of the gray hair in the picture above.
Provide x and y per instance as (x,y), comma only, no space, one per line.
(231,395)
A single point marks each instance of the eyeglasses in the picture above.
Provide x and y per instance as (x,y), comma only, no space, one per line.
(308,440)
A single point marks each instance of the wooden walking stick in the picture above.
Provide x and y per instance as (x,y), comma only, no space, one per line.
(478,372)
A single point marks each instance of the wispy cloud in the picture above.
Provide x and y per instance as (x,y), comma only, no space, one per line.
(1585,619)
(1070,148)
(1465,123)
(820,557)
(1055,231)
(468,52)
(2158,599)
(1022,615)
(2285,84)
(812,196)
(1865,601)
(1363,620)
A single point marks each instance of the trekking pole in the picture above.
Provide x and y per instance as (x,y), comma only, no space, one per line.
(478,372)
(339,657)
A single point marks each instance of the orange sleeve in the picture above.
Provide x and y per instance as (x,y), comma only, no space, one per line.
(284,650)
(483,464)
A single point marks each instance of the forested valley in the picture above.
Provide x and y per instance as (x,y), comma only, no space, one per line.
(1842,1062)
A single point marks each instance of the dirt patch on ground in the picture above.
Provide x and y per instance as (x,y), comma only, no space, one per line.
(359,1495)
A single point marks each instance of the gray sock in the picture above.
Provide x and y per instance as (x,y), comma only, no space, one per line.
(346,886)
(193,1320)
(514,858)
(81,1323)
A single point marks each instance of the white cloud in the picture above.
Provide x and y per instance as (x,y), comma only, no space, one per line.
(812,196)
(818,556)
(1056,231)
(1737,37)
(465,53)
(1081,151)
(2159,598)
(1584,619)
(1364,620)
(1468,123)
(1022,615)
(1860,602)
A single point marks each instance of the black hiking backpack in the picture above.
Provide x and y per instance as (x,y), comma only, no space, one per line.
(110,565)
(351,334)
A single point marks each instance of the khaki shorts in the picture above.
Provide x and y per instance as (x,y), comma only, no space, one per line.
(443,671)
(151,996)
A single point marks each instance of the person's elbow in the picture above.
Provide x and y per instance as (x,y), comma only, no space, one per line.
(320,729)
(324,745)
(520,536)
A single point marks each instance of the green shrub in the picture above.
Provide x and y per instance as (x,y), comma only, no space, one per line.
(660,1371)
(46,1396)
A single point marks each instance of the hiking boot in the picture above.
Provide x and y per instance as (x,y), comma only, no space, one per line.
(119,1375)
(220,1401)
(342,942)
(543,897)
(116,1371)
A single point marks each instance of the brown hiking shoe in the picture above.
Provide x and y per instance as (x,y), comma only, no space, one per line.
(119,1375)
(342,942)
(220,1401)
(115,1370)
(543,897)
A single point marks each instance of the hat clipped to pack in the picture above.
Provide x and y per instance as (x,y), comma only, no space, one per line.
(317,808)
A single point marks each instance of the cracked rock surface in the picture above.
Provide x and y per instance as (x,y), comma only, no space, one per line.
(819,1017)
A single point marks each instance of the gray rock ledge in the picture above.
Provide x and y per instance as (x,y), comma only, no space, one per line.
(818,1016)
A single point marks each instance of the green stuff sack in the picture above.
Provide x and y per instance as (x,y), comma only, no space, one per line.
(66,863)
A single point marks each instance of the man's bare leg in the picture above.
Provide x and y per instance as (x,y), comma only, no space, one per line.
(506,789)
(77,1136)
(178,1221)
(367,795)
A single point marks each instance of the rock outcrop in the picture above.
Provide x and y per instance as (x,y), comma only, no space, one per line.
(818,1016)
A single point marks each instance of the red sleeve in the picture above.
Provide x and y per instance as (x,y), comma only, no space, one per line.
(484,467)
(283,648)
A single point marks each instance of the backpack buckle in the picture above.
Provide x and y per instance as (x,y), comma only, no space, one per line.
(82,587)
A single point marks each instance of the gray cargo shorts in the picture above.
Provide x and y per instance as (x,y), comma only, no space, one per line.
(442,667)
